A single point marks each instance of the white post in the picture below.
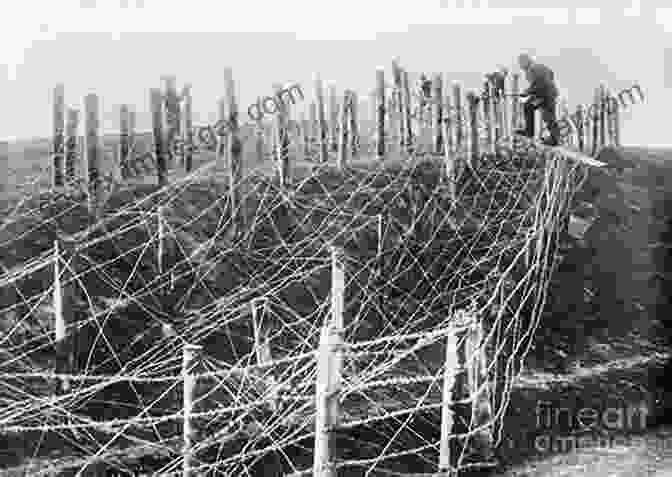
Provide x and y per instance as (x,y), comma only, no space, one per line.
(447,418)
(190,354)
(262,349)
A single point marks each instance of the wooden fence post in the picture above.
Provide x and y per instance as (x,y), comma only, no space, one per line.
(305,138)
(617,122)
(190,356)
(449,150)
(390,111)
(580,126)
(437,89)
(321,121)
(479,388)
(406,92)
(496,114)
(4,166)
(515,101)
(333,116)
(262,348)
(380,119)
(187,132)
(282,139)
(59,318)
(327,393)
(338,286)
(222,140)
(473,125)
(171,103)
(505,110)
(487,118)
(156,103)
(71,145)
(343,142)
(447,410)
(57,163)
(459,120)
(603,114)
(93,151)
(328,386)
(596,122)
(235,149)
(399,100)
(124,141)
(354,128)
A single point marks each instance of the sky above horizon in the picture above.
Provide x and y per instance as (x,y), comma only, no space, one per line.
(119,49)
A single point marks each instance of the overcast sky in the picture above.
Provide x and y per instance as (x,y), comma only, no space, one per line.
(120,48)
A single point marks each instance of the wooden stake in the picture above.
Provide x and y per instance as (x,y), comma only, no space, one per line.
(282,139)
(190,356)
(481,412)
(449,151)
(473,125)
(93,152)
(617,122)
(71,145)
(515,101)
(354,129)
(447,412)
(406,108)
(171,108)
(380,119)
(397,77)
(437,89)
(505,110)
(156,104)
(337,286)
(333,117)
(58,165)
(459,128)
(580,126)
(327,393)
(322,124)
(603,115)
(262,347)
(124,141)
(235,152)
(4,166)
(487,118)
(59,319)
(187,131)
(343,142)
(596,122)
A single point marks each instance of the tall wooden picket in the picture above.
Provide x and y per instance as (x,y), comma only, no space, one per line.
(58,163)
(343,136)
(333,116)
(406,95)
(187,132)
(399,100)
(156,108)
(124,142)
(473,126)
(71,145)
(282,139)
(446,458)
(235,149)
(580,126)
(487,118)
(321,120)
(190,357)
(4,166)
(354,121)
(93,152)
(459,128)
(329,375)
(262,347)
(617,121)
(437,95)
(380,119)
(515,101)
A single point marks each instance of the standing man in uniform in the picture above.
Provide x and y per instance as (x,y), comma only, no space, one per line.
(541,94)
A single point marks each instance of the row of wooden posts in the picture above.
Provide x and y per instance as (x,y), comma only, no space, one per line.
(456,131)
(464,355)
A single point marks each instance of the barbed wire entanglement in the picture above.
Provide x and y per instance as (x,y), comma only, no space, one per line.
(423,262)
